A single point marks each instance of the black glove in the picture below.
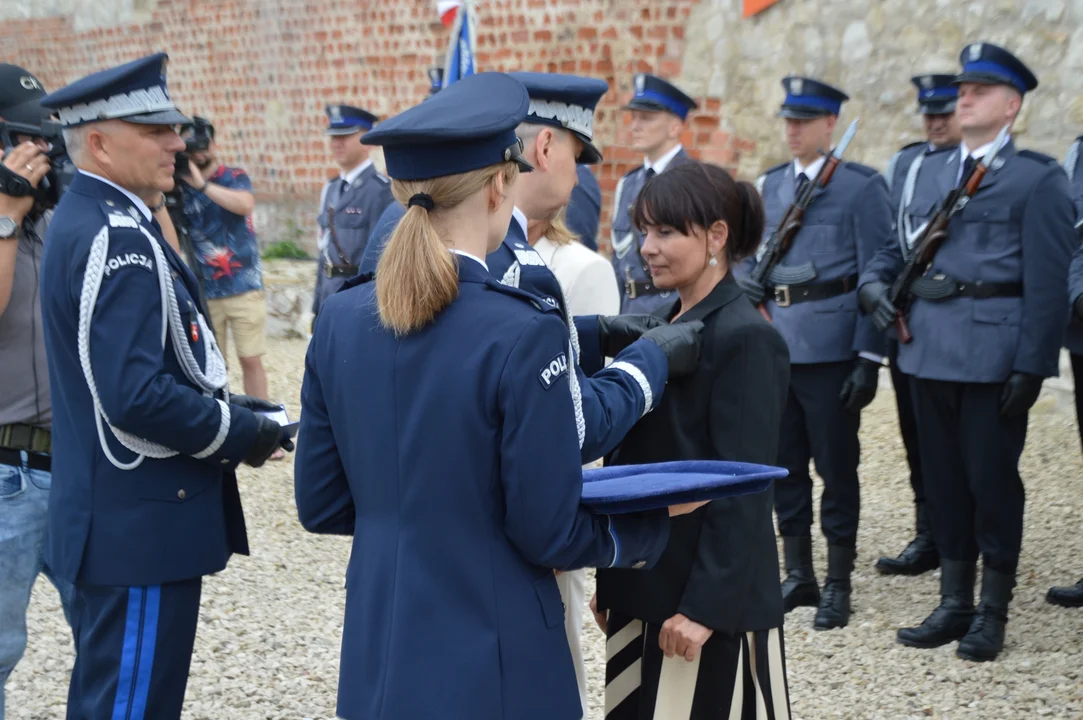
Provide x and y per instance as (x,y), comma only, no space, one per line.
(255,404)
(872,298)
(269,437)
(1077,308)
(616,332)
(1020,393)
(859,388)
(680,342)
(752,289)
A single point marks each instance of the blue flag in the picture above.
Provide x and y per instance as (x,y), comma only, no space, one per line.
(462,46)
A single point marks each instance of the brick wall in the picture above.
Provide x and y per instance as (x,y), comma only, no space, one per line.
(263,70)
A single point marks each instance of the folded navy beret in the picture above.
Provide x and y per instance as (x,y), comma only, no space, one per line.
(636,488)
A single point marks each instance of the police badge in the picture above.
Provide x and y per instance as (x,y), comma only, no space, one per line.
(336,114)
(927,82)
(641,83)
(974,52)
(797,85)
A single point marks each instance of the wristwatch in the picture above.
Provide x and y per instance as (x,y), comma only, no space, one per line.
(8,228)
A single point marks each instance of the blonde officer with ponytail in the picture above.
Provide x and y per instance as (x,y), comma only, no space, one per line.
(438,430)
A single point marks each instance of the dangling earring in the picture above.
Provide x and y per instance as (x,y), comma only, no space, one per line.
(713,262)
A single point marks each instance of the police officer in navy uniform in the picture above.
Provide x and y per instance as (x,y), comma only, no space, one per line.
(350,203)
(835,355)
(585,208)
(146,436)
(458,519)
(659,110)
(987,323)
(936,102)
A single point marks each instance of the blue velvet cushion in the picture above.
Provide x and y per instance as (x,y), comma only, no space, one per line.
(635,488)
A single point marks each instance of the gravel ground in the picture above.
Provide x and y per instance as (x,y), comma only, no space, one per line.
(269,630)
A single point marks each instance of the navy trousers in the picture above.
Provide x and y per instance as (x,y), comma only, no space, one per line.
(133,648)
(908,425)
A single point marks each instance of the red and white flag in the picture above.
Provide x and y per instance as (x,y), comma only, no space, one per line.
(447,9)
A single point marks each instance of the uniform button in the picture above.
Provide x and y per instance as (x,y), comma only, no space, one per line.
(181,494)
(225,461)
(639,564)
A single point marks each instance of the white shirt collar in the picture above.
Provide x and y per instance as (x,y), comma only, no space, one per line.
(518,216)
(664,161)
(981,152)
(134,198)
(812,170)
(351,176)
(475,258)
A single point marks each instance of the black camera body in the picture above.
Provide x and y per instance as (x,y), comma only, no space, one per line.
(61,168)
(202,132)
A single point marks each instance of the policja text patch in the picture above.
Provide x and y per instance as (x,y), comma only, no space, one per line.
(556,367)
(128,259)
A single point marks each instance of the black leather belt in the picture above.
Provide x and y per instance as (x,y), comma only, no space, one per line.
(942,287)
(786,295)
(337,271)
(34,461)
(18,436)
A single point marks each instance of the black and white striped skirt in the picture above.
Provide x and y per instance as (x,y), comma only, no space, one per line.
(734,677)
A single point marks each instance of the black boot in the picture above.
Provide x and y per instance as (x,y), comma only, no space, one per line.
(985,639)
(951,619)
(834,609)
(920,556)
(1066,596)
(800,587)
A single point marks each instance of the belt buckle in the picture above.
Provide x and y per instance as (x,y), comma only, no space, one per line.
(782,295)
(327,270)
(630,289)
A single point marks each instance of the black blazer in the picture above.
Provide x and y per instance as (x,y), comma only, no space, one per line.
(720,568)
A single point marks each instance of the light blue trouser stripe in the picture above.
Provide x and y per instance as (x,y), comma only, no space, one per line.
(146,653)
(128,654)
(137,653)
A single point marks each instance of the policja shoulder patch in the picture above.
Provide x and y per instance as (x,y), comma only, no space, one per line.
(553,370)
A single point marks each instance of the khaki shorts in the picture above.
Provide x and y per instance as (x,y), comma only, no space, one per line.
(245,317)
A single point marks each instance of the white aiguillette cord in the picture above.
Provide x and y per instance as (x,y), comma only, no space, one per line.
(211,382)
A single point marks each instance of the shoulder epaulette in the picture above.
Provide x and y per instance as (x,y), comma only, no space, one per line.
(520,294)
(1040,157)
(357,280)
(916,143)
(633,171)
(382,179)
(118,216)
(862,169)
(776,168)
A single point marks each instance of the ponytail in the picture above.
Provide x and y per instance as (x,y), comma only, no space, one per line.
(417,277)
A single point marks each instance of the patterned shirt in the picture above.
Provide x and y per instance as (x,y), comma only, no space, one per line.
(225,243)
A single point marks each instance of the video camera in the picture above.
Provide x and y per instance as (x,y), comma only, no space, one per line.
(202,132)
(61,169)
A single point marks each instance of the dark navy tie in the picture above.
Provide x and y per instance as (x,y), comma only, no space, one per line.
(968,166)
(802,181)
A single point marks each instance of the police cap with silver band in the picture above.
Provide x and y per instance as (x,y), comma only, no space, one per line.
(135,92)
(347,119)
(20,96)
(565,101)
(937,94)
(988,64)
(808,98)
(467,126)
(655,94)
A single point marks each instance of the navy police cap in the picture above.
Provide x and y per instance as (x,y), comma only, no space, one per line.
(135,92)
(988,64)
(937,94)
(654,93)
(565,101)
(467,126)
(808,98)
(347,119)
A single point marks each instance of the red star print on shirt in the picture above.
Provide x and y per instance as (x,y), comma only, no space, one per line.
(222,263)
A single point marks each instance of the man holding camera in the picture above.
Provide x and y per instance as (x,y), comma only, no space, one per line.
(146,436)
(218,205)
(25,410)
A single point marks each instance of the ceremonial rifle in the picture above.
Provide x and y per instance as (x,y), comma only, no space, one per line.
(934,233)
(782,238)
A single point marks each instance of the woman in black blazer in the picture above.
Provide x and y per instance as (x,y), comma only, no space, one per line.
(699,636)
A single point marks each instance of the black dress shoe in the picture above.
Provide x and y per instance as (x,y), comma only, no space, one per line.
(920,556)
(951,620)
(834,608)
(1066,596)
(800,587)
(985,639)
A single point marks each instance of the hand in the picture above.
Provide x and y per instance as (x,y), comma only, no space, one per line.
(599,617)
(680,342)
(27,161)
(194,176)
(752,289)
(255,404)
(1077,308)
(686,508)
(859,389)
(682,637)
(1020,393)
(269,437)
(872,299)
(616,332)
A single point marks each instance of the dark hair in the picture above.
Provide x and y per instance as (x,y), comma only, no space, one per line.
(697,195)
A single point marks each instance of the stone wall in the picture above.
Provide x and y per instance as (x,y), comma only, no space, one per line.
(264,69)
